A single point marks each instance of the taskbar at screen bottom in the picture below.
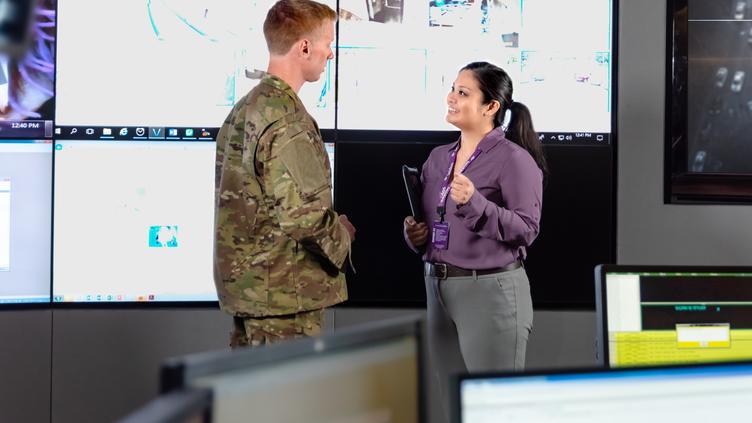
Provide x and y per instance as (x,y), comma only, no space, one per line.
(25,299)
(132,298)
(574,138)
(135,133)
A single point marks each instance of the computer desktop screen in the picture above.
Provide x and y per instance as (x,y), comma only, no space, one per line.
(25,220)
(134,220)
(692,394)
(357,375)
(165,63)
(398,60)
(658,315)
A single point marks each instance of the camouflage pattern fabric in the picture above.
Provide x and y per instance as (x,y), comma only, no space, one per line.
(256,331)
(279,247)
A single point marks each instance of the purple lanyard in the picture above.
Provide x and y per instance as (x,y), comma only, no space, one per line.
(445,187)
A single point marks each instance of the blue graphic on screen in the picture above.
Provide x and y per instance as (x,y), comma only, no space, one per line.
(163,236)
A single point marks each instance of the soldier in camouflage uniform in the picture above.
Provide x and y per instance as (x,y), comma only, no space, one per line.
(279,247)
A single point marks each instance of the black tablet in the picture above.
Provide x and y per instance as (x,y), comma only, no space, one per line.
(414,190)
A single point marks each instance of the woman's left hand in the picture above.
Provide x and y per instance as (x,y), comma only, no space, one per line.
(462,189)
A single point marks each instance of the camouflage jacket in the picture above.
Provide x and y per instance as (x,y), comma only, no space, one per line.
(279,247)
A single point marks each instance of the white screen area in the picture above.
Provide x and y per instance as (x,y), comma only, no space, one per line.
(133,221)
(165,62)
(664,395)
(395,73)
(329,146)
(623,302)
(25,221)
(5,193)
(373,384)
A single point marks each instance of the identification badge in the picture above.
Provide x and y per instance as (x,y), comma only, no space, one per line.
(440,235)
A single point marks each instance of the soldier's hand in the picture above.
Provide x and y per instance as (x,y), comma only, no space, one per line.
(417,232)
(349,226)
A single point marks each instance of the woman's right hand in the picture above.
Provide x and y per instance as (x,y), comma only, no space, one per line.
(417,232)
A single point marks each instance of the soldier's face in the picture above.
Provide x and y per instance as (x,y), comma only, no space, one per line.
(321,51)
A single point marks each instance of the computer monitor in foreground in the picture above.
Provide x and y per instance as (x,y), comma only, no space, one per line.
(657,315)
(365,374)
(180,406)
(699,393)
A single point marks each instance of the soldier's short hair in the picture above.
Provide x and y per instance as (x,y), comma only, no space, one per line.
(290,20)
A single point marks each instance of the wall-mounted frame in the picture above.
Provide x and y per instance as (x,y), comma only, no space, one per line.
(708,104)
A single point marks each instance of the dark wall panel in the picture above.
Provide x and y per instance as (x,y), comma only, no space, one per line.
(577,226)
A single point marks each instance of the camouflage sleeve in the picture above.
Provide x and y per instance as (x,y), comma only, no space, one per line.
(220,151)
(297,179)
(230,127)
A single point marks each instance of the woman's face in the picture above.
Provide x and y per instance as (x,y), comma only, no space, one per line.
(465,106)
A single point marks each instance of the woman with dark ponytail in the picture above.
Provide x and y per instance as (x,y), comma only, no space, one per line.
(482,198)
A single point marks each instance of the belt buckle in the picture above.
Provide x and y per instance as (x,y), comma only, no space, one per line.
(440,270)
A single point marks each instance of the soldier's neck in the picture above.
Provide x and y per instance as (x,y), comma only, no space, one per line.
(287,71)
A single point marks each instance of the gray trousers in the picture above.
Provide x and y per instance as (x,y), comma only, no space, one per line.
(477,324)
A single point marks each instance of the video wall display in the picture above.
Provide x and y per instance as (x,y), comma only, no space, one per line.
(109,112)
(25,220)
(708,107)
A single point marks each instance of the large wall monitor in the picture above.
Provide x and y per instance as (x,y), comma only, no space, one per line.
(134,220)
(708,107)
(399,58)
(658,315)
(693,394)
(164,63)
(25,209)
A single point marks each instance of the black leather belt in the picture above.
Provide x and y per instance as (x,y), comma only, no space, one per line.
(445,270)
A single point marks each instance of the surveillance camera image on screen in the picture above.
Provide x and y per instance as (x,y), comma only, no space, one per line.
(399,58)
(166,62)
(27,68)
(25,208)
(719,95)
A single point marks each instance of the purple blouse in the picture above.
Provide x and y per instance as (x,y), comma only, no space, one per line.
(503,214)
